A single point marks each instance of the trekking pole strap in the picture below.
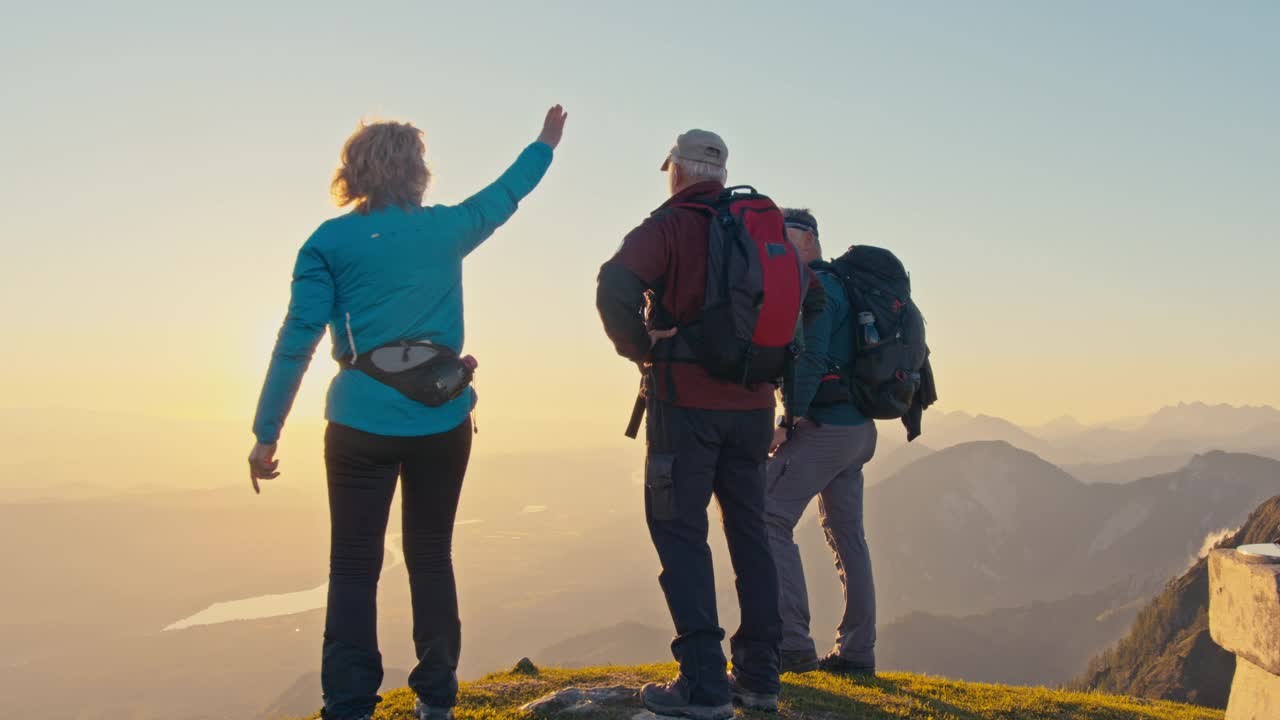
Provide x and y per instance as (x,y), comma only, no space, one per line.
(637,414)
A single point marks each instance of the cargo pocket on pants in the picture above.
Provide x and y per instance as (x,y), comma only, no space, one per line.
(659,486)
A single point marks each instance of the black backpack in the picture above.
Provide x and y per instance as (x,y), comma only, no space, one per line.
(889,349)
(755,288)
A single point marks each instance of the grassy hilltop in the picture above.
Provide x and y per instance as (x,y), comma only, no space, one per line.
(816,696)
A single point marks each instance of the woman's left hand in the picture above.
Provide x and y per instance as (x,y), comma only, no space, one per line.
(262,464)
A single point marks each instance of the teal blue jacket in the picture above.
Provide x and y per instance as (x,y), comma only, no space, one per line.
(828,340)
(394,274)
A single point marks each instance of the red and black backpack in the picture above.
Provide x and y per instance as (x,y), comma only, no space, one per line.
(755,288)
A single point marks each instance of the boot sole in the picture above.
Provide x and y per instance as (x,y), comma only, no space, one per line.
(748,700)
(755,702)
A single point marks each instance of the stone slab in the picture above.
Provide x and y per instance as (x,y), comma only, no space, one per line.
(1255,693)
(1244,609)
(582,701)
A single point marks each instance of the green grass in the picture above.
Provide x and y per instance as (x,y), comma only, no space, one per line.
(818,696)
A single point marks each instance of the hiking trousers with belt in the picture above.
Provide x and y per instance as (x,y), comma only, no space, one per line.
(824,462)
(692,455)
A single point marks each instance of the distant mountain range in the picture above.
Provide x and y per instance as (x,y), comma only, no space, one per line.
(1037,644)
(191,453)
(1059,427)
(1176,429)
(1189,419)
(1041,572)
(1113,452)
(302,698)
(627,643)
(1123,471)
(1168,653)
(978,542)
(998,527)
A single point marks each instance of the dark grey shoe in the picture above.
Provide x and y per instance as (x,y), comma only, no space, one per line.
(798,661)
(751,700)
(671,699)
(422,711)
(837,665)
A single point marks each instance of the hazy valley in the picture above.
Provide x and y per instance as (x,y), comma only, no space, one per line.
(1038,545)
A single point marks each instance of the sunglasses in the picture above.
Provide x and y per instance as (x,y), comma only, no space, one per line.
(802,226)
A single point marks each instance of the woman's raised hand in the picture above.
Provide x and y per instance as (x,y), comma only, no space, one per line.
(553,126)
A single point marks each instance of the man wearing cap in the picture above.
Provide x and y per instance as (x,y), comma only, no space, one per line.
(821,454)
(705,437)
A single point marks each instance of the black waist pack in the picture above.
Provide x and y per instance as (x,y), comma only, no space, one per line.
(421,370)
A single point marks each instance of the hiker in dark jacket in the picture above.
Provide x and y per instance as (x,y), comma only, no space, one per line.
(388,271)
(821,455)
(706,437)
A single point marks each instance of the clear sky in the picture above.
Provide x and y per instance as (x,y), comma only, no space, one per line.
(1086,193)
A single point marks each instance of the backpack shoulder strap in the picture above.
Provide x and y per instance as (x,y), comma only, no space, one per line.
(826,267)
(713,203)
(704,207)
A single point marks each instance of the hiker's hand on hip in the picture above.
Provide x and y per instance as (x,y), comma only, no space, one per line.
(656,335)
(262,464)
(553,126)
(779,439)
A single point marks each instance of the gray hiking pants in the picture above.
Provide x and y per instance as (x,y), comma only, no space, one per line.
(826,462)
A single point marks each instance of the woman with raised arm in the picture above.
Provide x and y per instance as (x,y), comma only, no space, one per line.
(386,280)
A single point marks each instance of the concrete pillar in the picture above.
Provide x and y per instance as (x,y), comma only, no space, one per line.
(1244,618)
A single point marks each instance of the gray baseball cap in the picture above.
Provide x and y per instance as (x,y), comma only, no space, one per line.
(700,146)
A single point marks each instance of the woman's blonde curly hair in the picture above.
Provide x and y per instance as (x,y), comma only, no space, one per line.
(382,165)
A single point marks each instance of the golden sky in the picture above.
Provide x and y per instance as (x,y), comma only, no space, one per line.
(1087,208)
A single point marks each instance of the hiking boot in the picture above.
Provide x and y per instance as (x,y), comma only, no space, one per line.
(422,711)
(672,699)
(751,700)
(837,665)
(798,661)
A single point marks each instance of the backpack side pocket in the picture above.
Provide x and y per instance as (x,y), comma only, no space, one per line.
(659,486)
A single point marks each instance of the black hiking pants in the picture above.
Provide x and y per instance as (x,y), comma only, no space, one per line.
(694,454)
(362,470)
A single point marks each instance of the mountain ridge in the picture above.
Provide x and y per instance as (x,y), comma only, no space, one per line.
(1168,653)
(1002,527)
